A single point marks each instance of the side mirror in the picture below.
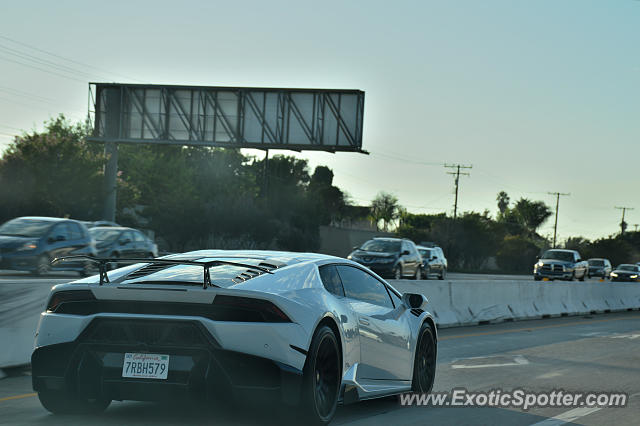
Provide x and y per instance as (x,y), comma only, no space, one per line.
(404,253)
(414,300)
(355,248)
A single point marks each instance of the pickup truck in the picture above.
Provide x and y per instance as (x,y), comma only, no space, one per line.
(561,264)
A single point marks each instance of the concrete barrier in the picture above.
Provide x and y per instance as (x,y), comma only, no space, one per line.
(21,302)
(453,303)
(458,303)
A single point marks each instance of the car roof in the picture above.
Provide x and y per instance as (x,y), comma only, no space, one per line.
(389,239)
(44,218)
(564,250)
(424,248)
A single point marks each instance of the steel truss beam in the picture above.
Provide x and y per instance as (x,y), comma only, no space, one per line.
(238,117)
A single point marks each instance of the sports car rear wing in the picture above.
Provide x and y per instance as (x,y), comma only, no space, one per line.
(104,262)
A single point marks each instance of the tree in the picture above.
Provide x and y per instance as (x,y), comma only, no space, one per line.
(385,208)
(532,214)
(503,202)
(53,173)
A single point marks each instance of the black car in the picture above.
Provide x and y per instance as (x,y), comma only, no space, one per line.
(433,262)
(112,241)
(30,243)
(599,268)
(626,272)
(390,257)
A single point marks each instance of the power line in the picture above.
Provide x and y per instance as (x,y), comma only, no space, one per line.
(457,174)
(555,226)
(64,58)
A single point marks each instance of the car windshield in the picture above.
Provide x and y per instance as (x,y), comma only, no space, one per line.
(565,256)
(596,263)
(425,253)
(25,227)
(632,268)
(104,235)
(381,246)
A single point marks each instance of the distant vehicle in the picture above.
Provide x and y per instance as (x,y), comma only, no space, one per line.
(433,262)
(626,272)
(599,268)
(390,257)
(301,329)
(31,243)
(561,264)
(116,242)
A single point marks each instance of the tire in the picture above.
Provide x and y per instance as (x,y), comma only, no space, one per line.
(64,403)
(418,275)
(426,273)
(583,276)
(443,274)
(424,365)
(397,272)
(43,266)
(322,376)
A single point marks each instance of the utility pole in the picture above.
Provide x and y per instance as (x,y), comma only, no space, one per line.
(457,174)
(623,224)
(555,226)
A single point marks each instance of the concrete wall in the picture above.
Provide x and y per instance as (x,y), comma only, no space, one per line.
(458,303)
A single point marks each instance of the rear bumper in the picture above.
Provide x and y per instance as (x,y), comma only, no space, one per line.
(198,367)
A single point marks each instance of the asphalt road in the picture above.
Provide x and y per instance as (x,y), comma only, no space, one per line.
(577,354)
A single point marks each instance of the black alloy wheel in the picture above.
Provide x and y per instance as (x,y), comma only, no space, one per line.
(424,369)
(443,274)
(322,377)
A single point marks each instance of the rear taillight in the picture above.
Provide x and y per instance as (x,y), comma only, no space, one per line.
(247,309)
(65,296)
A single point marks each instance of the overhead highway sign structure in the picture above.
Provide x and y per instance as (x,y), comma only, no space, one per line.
(228,117)
(231,117)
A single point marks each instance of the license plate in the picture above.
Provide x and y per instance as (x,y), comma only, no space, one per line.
(145,366)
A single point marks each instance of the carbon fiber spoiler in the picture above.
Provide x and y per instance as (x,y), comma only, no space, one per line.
(103,263)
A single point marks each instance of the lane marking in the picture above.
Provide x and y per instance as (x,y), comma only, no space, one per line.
(625,336)
(567,416)
(26,395)
(517,360)
(518,330)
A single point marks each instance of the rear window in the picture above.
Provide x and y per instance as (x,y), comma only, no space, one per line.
(221,275)
(596,263)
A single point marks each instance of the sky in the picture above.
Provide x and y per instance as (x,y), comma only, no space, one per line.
(537,96)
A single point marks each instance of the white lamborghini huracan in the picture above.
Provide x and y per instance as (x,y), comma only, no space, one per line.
(309,330)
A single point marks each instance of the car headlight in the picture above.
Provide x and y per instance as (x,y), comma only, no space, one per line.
(634,276)
(613,274)
(539,264)
(31,245)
